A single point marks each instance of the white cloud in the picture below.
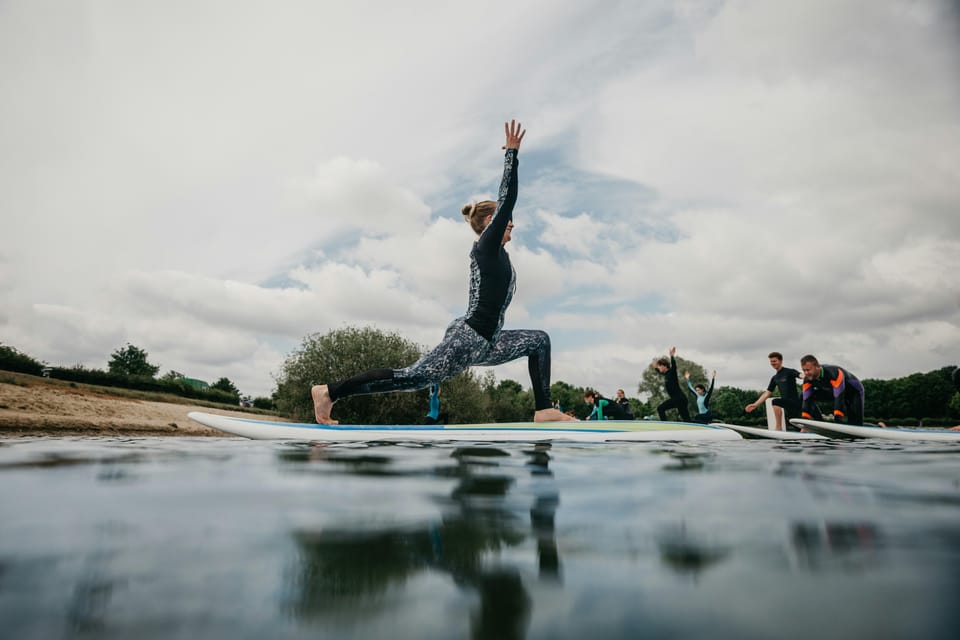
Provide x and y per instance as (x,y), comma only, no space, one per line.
(731,177)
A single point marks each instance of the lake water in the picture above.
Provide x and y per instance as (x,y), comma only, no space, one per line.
(229,538)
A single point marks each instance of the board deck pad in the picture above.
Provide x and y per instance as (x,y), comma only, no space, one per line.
(580,431)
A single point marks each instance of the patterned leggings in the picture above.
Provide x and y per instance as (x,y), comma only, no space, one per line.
(461,348)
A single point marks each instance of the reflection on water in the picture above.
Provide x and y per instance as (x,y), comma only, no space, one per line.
(825,545)
(685,553)
(341,569)
(168,537)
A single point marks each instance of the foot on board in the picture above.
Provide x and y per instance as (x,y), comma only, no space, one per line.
(322,404)
(551,415)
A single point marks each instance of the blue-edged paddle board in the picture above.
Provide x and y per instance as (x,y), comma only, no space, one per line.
(836,430)
(580,431)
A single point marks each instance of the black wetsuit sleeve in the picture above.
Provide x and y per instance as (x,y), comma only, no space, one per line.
(492,237)
(706,399)
(672,380)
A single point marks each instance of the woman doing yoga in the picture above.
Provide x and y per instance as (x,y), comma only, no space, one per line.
(477,338)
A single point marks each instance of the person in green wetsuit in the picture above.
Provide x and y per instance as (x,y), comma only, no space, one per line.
(603,409)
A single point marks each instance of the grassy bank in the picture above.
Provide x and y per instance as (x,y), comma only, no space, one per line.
(26,380)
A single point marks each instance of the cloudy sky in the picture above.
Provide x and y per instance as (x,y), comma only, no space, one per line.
(214,180)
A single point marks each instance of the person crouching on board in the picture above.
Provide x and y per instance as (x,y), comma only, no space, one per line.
(826,382)
(603,409)
(677,399)
(702,394)
(785,380)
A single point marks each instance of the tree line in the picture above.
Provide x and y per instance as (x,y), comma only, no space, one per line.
(128,367)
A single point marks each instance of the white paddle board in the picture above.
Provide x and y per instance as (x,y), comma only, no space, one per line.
(770,434)
(580,431)
(835,430)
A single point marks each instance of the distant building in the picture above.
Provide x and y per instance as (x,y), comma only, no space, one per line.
(199,385)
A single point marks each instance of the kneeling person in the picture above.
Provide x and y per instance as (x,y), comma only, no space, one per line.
(829,382)
(603,409)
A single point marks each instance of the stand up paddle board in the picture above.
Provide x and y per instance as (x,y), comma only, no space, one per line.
(836,430)
(770,434)
(583,431)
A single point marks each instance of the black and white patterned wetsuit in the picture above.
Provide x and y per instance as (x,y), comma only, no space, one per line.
(475,339)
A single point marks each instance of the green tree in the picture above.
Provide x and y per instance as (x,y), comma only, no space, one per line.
(954,406)
(13,360)
(346,352)
(462,399)
(262,402)
(569,397)
(508,400)
(727,405)
(224,384)
(131,361)
(172,376)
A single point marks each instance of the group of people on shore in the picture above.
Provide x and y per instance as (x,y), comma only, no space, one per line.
(478,339)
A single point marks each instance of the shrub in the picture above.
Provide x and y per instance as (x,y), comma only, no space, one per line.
(13,360)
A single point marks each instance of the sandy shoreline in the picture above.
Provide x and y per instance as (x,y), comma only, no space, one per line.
(48,410)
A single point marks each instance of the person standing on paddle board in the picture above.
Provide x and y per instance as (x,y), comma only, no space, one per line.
(477,338)
(677,399)
(785,379)
(827,382)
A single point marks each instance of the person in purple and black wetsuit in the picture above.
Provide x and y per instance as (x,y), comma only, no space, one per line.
(477,338)
(828,382)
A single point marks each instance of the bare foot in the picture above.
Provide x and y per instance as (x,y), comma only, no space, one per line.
(322,404)
(551,415)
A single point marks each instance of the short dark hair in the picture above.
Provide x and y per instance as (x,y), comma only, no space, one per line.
(775,354)
(809,359)
(699,386)
(663,362)
(590,393)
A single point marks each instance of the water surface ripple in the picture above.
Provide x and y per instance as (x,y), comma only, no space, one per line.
(195,537)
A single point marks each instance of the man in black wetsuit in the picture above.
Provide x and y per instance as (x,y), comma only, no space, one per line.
(624,403)
(828,382)
(677,399)
(785,379)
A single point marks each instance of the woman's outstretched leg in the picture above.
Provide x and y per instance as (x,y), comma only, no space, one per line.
(534,344)
(461,347)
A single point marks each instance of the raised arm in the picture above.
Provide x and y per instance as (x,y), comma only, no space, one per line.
(713,380)
(492,236)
